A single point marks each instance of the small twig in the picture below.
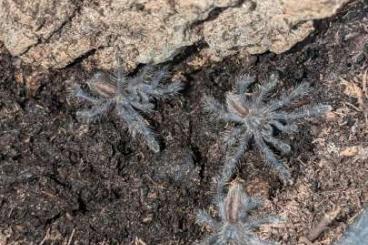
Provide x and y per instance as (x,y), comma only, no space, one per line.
(323,224)
(71,237)
(365,91)
(364,84)
(353,106)
(138,241)
(46,237)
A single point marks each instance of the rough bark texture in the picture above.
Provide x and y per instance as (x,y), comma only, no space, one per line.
(56,33)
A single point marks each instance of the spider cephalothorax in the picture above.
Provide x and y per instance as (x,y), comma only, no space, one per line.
(128,97)
(255,117)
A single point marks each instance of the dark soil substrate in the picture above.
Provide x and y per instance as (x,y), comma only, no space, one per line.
(65,181)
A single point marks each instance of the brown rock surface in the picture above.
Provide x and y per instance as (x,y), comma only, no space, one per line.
(54,33)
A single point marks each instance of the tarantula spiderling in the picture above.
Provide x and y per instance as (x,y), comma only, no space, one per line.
(257,117)
(128,97)
(236,225)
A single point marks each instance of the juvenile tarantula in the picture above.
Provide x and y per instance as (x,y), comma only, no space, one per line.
(256,119)
(128,96)
(236,225)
